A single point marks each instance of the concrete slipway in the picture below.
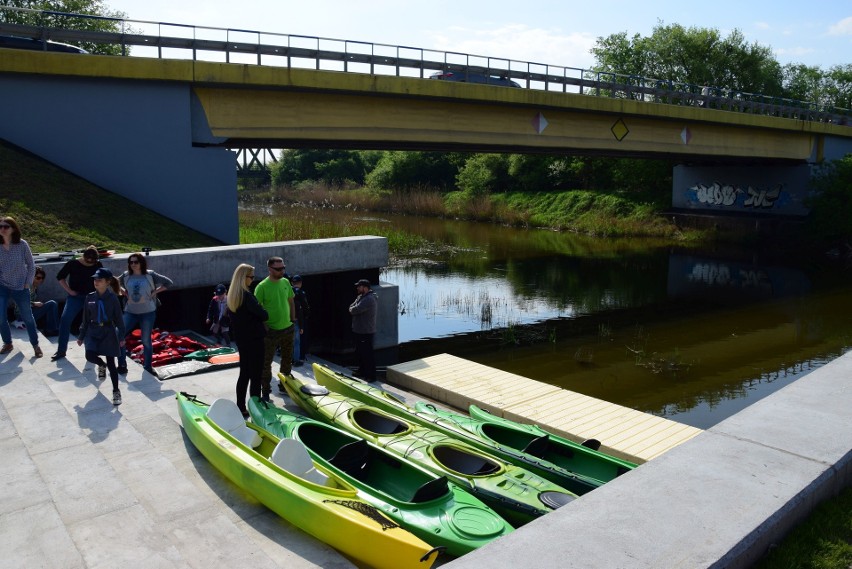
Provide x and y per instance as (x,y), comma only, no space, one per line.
(87,485)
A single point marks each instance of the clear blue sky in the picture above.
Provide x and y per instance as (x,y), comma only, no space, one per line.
(558,32)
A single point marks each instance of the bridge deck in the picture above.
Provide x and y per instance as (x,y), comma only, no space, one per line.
(623,432)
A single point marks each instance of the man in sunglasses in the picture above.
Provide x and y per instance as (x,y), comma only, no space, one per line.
(275,295)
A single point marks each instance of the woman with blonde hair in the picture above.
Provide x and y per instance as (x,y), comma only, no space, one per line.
(247,318)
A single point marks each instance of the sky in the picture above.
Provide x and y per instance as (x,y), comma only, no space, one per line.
(556,32)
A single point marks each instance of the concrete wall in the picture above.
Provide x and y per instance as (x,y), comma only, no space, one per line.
(133,138)
(763,190)
(329,267)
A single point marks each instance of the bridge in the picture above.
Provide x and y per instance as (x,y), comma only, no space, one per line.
(152,118)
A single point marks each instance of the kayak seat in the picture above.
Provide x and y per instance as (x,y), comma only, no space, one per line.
(351,458)
(537,446)
(227,415)
(292,456)
(431,490)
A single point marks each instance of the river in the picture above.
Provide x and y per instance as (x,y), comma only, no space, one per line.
(691,335)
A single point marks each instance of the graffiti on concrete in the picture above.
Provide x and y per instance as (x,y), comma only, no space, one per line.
(722,275)
(727,194)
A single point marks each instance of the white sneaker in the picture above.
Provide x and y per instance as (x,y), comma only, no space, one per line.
(116,397)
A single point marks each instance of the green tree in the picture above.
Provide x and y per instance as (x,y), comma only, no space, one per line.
(696,56)
(827,88)
(399,170)
(484,174)
(335,167)
(92,15)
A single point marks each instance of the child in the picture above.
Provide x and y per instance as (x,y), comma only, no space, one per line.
(218,317)
(102,329)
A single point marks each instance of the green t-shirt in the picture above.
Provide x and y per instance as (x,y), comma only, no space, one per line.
(274,297)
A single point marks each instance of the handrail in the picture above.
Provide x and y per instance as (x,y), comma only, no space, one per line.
(381,57)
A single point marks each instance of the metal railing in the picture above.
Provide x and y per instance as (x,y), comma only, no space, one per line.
(203,43)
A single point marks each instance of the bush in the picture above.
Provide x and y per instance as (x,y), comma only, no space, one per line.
(831,202)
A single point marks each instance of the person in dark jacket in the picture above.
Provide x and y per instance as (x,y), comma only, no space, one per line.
(364,311)
(102,329)
(75,277)
(247,326)
(303,312)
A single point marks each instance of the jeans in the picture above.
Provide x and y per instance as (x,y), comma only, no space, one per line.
(22,299)
(145,322)
(51,316)
(297,342)
(366,358)
(73,306)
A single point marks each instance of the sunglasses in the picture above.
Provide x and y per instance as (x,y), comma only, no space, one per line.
(5,226)
(281,268)
(249,276)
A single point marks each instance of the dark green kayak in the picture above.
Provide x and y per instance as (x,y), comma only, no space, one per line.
(422,502)
(571,465)
(518,495)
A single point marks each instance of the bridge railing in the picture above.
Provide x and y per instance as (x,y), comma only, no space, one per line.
(229,45)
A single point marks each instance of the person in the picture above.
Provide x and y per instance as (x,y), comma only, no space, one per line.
(247,324)
(275,295)
(47,310)
(303,311)
(17,270)
(102,328)
(141,287)
(75,277)
(364,311)
(218,317)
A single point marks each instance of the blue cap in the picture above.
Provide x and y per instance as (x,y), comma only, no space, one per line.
(220,289)
(102,274)
(296,279)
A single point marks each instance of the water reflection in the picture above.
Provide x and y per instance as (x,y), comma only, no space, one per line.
(694,336)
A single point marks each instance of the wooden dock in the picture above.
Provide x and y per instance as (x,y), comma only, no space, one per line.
(623,432)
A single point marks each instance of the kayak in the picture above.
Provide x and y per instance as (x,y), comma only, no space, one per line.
(281,475)
(573,466)
(518,495)
(552,452)
(422,502)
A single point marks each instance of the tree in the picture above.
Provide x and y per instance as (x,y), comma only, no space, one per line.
(399,170)
(484,174)
(54,14)
(335,167)
(696,56)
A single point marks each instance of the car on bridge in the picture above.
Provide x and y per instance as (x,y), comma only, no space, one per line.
(15,42)
(463,77)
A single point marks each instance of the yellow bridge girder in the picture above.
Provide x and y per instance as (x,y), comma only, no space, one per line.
(287,107)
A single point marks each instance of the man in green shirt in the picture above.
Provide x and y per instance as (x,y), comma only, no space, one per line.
(275,295)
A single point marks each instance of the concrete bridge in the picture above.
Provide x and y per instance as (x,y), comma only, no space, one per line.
(157,130)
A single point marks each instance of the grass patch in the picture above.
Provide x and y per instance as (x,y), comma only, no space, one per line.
(822,541)
(58,211)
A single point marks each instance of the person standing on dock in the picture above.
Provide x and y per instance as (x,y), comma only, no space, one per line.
(75,277)
(275,295)
(364,311)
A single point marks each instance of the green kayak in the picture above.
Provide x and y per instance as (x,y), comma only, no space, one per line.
(420,501)
(281,475)
(518,495)
(573,466)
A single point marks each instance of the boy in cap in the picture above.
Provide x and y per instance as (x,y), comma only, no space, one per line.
(303,310)
(218,317)
(102,329)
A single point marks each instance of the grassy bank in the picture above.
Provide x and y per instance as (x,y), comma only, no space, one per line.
(600,214)
(58,211)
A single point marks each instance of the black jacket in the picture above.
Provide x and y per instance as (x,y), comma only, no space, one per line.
(247,321)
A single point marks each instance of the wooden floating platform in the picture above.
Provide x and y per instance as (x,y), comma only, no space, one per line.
(623,432)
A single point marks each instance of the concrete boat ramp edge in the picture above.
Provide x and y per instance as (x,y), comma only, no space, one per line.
(87,485)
